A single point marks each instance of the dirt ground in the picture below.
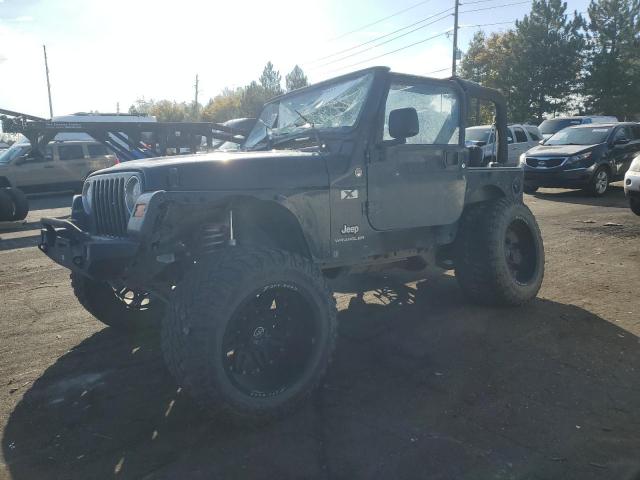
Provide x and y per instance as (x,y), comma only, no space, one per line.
(424,384)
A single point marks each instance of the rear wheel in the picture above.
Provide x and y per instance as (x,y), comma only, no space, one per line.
(599,182)
(634,204)
(250,334)
(119,307)
(499,253)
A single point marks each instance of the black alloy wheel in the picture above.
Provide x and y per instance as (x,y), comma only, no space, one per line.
(268,342)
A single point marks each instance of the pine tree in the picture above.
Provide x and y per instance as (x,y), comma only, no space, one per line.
(271,80)
(296,79)
(611,83)
(547,58)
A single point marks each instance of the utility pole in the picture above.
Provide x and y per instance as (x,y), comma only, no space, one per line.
(195,103)
(46,69)
(118,108)
(455,39)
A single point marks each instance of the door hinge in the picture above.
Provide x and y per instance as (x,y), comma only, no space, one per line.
(365,208)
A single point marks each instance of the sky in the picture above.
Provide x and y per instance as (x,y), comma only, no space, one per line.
(105,52)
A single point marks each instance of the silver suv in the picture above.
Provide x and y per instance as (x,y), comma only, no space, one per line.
(64,167)
(520,138)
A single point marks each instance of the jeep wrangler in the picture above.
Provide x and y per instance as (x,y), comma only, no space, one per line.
(228,252)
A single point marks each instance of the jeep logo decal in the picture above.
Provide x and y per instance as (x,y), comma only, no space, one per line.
(350,229)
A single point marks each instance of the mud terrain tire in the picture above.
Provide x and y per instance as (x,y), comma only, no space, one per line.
(114,307)
(226,319)
(499,253)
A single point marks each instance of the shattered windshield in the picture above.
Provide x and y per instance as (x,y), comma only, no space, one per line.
(336,105)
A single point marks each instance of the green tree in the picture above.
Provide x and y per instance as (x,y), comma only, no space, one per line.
(611,84)
(489,61)
(223,107)
(163,110)
(296,79)
(271,80)
(547,59)
(475,65)
(253,98)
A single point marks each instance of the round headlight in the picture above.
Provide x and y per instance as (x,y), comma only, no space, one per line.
(132,190)
(87,194)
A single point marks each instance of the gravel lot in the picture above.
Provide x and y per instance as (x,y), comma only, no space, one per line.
(424,385)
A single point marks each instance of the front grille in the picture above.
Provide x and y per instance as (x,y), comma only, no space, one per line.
(545,162)
(107,204)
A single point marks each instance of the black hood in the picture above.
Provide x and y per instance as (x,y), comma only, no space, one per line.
(231,171)
(560,150)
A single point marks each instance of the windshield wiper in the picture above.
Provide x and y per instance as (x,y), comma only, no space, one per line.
(307,126)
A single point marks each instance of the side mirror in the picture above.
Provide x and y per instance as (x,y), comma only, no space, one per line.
(403,123)
(621,141)
(476,156)
(20,160)
(541,142)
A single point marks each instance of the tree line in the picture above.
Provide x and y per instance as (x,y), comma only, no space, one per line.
(553,62)
(241,102)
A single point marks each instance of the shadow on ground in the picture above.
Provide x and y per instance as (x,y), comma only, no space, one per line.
(422,386)
(613,198)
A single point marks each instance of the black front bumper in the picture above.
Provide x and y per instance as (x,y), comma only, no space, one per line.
(558,178)
(101,258)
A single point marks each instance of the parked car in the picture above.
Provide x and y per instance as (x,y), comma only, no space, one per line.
(554,125)
(520,138)
(584,156)
(64,166)
(632,185)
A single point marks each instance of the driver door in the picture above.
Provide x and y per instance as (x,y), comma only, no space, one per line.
(421,181)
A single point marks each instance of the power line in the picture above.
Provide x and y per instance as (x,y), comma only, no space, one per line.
(486,24)
(476,1)
(496,6)
(392,51)
(381,43)
(469,26)
(380,21)
(415,43)
(437,71)
(381,36)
